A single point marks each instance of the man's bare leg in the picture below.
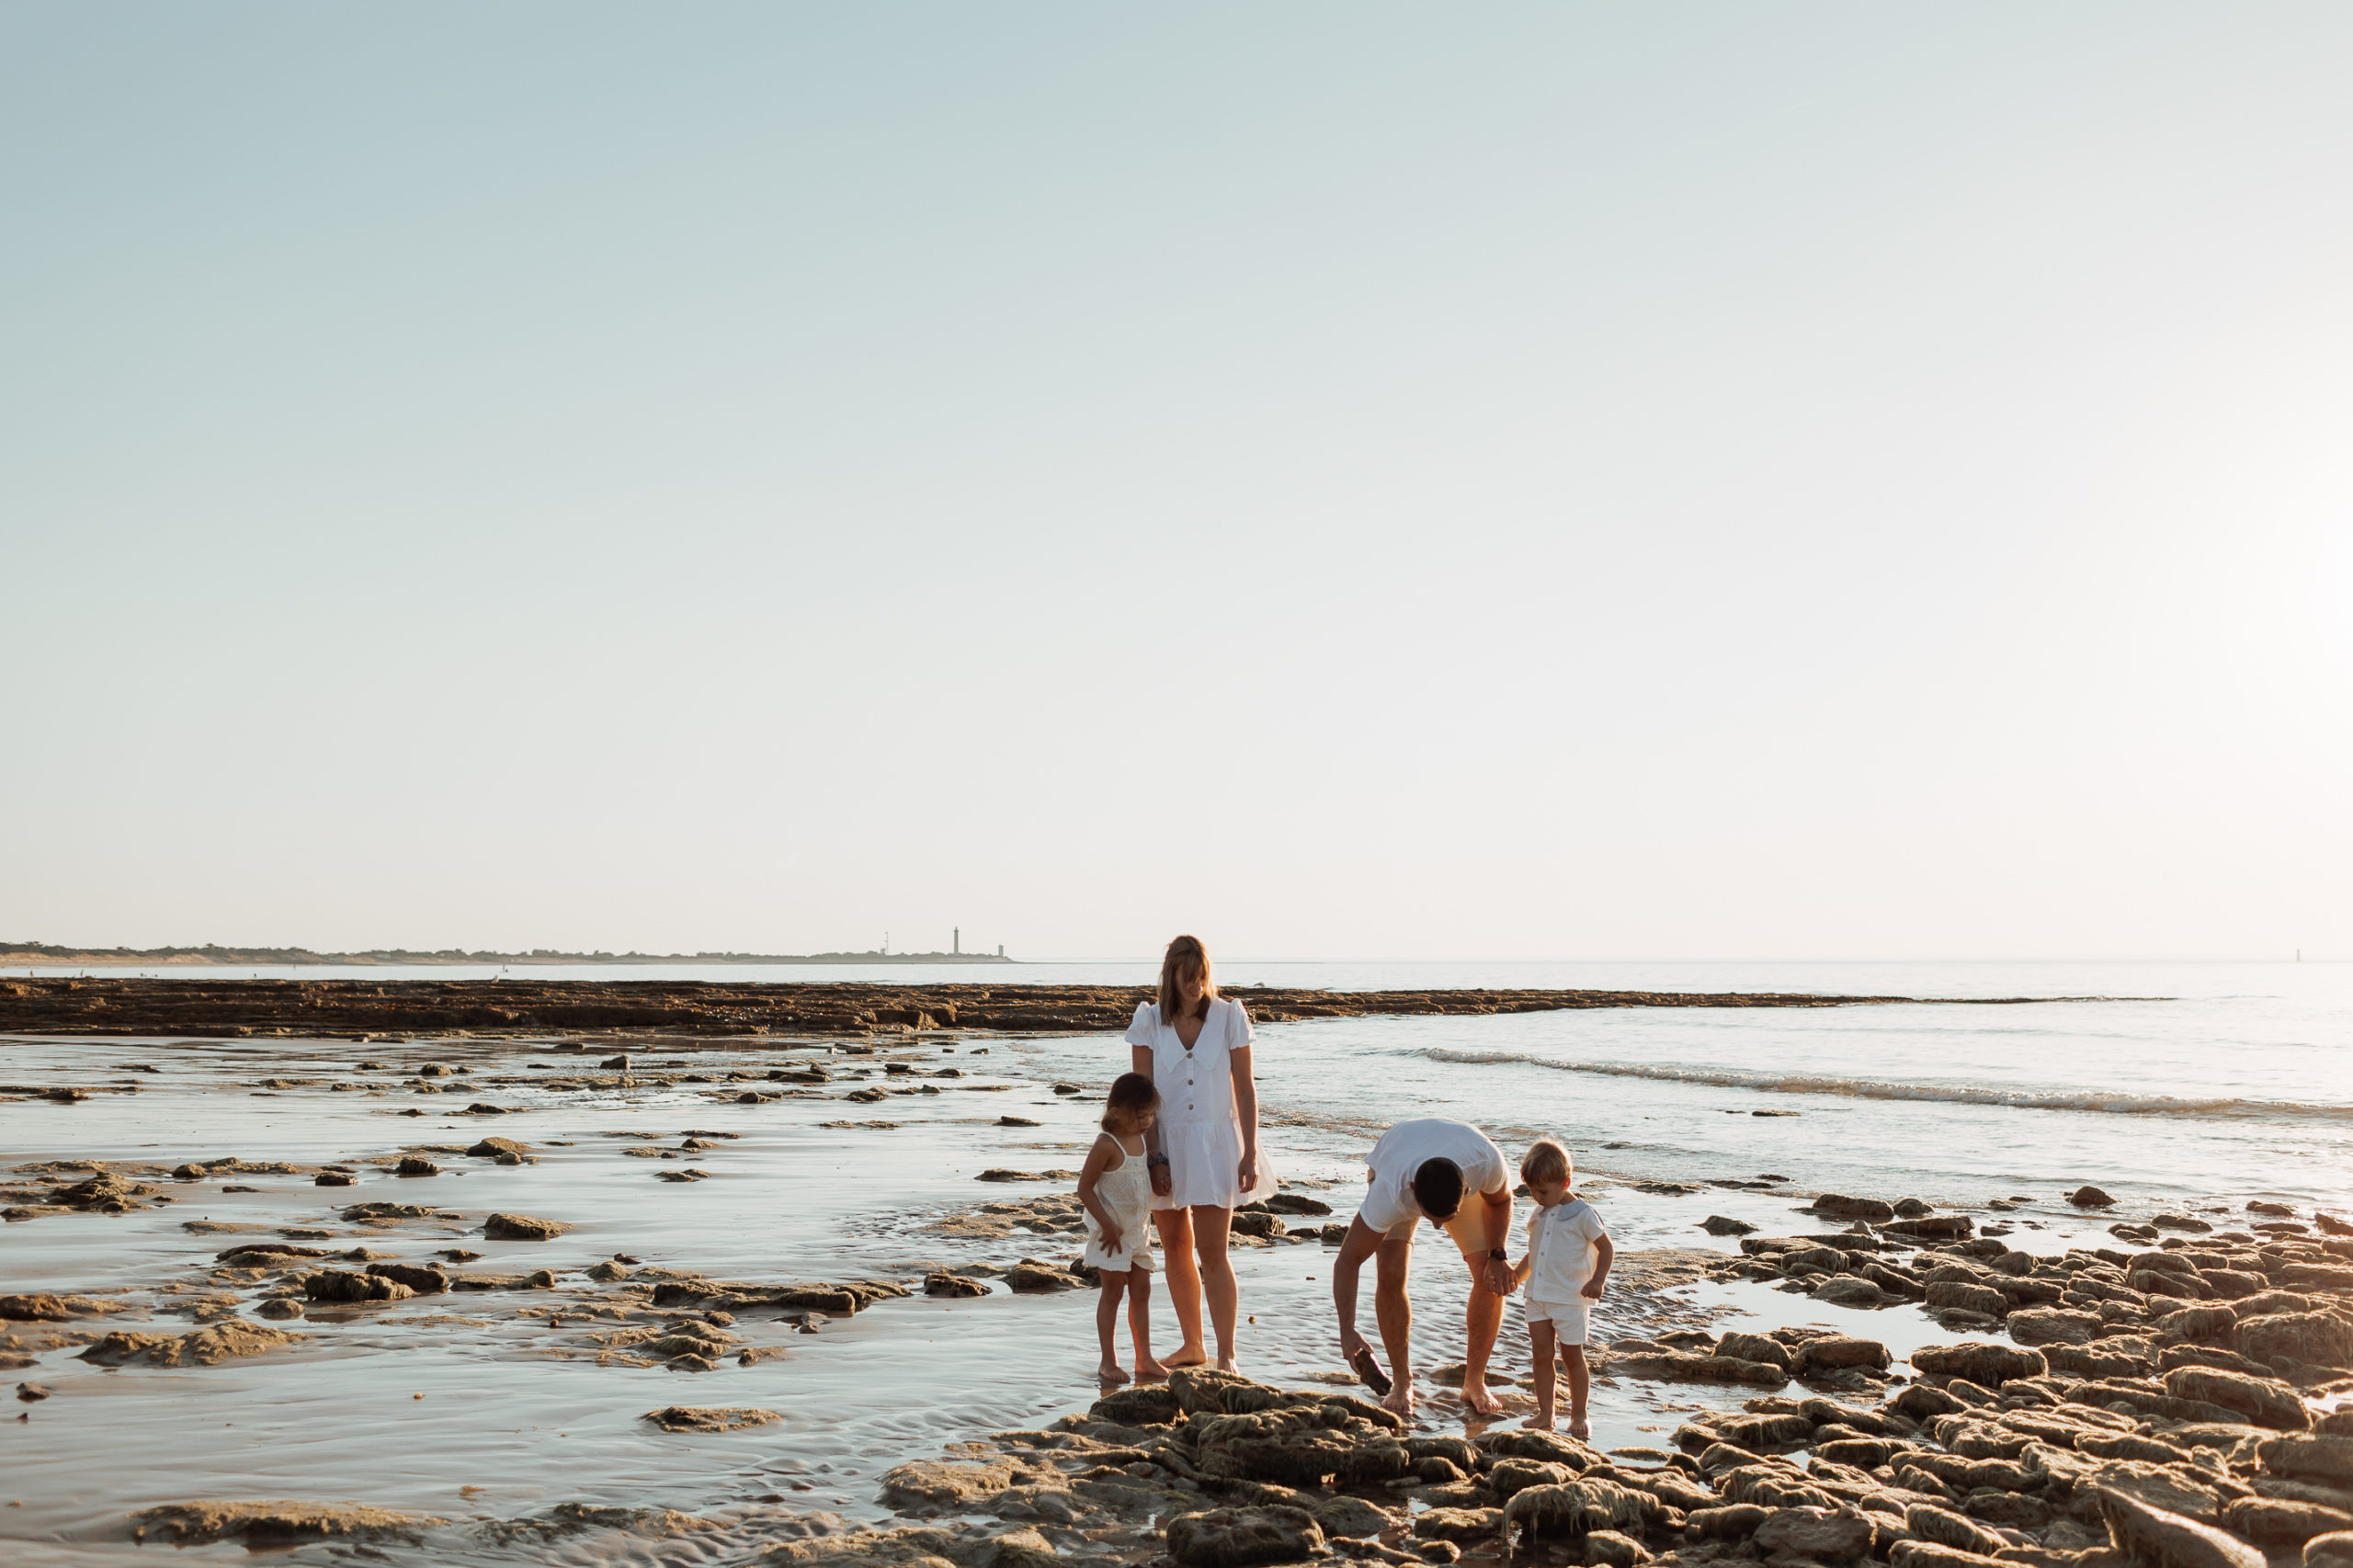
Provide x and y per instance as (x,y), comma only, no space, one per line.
(1176,1227)
(1482,1319)
(1394,1311)
(1209,1234)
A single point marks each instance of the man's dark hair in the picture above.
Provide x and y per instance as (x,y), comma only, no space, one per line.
(1438,1187)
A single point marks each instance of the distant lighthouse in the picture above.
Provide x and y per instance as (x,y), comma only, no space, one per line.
(957,945)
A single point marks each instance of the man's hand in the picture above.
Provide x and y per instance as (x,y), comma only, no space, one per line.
(1350,1343)
(1161,1185)
(1497,1277)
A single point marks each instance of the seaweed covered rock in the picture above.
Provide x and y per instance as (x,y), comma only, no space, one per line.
(1458,1524)
(273,1523)
(1975,1360)
(1146,1405)
(2265,1402)
(2165,1540)
(205,1348)
(342,1285)
(1575,1508)
(2319,1339)
(1821,1534)
(1241,1538)
(523,1228)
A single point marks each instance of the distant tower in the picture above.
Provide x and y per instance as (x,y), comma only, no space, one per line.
(958,945)
(1000,950)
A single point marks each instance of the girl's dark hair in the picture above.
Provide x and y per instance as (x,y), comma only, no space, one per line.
(1130,1093)
(1186,956)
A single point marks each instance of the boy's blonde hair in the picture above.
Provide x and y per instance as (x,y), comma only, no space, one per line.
(1547,1161)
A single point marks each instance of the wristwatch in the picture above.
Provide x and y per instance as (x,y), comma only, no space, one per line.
(1499,1254)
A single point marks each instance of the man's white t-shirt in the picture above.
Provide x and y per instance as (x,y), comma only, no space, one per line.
(1561,1252)
(1389,1205)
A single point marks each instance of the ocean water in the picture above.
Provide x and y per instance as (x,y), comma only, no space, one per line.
(2213,1084)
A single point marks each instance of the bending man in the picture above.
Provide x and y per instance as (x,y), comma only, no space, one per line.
(1450,1174)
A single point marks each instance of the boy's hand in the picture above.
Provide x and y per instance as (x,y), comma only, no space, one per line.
(1592,1291)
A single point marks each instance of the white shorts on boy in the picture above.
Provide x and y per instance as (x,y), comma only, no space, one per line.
(1568,1318)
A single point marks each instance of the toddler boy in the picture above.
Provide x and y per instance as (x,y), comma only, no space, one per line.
(1566,1267)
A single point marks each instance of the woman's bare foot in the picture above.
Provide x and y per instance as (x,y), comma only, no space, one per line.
(1476,1396)
(1187,1356)
(1580,1428)
(1227,1364)
(1110,1372)
(1542,1421)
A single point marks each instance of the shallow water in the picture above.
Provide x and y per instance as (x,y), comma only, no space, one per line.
(516,1418)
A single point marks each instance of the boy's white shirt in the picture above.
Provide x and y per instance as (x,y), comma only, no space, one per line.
(1561,1254)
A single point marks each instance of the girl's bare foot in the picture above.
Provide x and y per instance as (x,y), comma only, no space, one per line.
(1579,1428)
(1542,1421)
(1109,1372)
(1149,1370)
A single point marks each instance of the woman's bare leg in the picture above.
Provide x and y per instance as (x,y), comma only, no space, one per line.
(1176,1227)
(1210,1228)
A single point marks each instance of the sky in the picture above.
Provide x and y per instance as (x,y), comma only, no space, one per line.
(1562,480)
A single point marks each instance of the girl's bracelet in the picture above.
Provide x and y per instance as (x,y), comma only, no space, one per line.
(1153,1159)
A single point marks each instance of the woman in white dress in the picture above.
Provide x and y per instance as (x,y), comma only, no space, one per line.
(1195,1047)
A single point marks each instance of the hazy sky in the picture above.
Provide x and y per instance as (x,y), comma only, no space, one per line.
(1567,481)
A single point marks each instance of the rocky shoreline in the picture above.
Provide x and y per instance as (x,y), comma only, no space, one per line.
(207,1008)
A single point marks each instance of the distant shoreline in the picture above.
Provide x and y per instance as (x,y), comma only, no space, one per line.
(234,958)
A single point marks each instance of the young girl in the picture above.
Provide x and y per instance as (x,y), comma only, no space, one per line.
(1116,1186)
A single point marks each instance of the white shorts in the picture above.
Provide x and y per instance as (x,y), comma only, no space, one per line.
(1568,1318)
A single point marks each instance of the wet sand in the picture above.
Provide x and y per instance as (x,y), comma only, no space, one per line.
(356,1009)
(515,1414)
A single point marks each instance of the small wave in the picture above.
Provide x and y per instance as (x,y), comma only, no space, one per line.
(2107,1103)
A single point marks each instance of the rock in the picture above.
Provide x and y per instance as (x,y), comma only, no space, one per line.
(2331,1551)
(1014,1121)
(620,1064)
(1238,1537)
(2315,1337)
(1755,1347)
(707,1418)
(341,1285)
(1458,1524)
(1838,1205)
(944,1284)
(2265,1402)
(2322,1455)
(206,1348)
(1967,1295)
(1031,1277)
(280,1307)
(937,1483)
(273,1523)
(1821,1534)
(2090,1197)
(2159,1539)
(416,1166)
(1347,1517)
(1931,1554)
(523,1228)
(493,1148)
(1851,1290)
(1722,1225)
(1818,1355)
(1578,1507)
(34,1309)
(999,1173)
(1608,1548)
(1146,1405)
(2197,1323)
(2276,1525)
(31,1393)
(356,1212)
(424,1281)
(2052,1326)
(1946,1528)
(1934,1227)
(331,1178)
(1979,1362)
(1297,1203)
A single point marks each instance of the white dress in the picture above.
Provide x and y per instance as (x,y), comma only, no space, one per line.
(1126,1191)
(1201,1132)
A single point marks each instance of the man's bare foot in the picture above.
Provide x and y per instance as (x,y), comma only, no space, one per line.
(1476,1396)
(1580,1428)
(1401,1399)
(1110,1372)
(1542,1421)
(1149,1370)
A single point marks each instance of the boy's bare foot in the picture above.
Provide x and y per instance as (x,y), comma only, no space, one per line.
(1580,1428)
(1478,1398)
(1149,1370)
(1542,1421)
(1110,1372)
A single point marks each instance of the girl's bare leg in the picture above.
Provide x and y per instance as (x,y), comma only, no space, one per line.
(1107,1319)
(1210,1228)
(1580,1384)
(1176,1227)
(1539,1336)
(1140,1324)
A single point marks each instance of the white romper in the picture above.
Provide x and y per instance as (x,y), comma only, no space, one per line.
(1201,1132)
(1126,1191)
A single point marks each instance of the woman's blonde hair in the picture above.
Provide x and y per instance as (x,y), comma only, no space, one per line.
(1186,956)
(1547,1161)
